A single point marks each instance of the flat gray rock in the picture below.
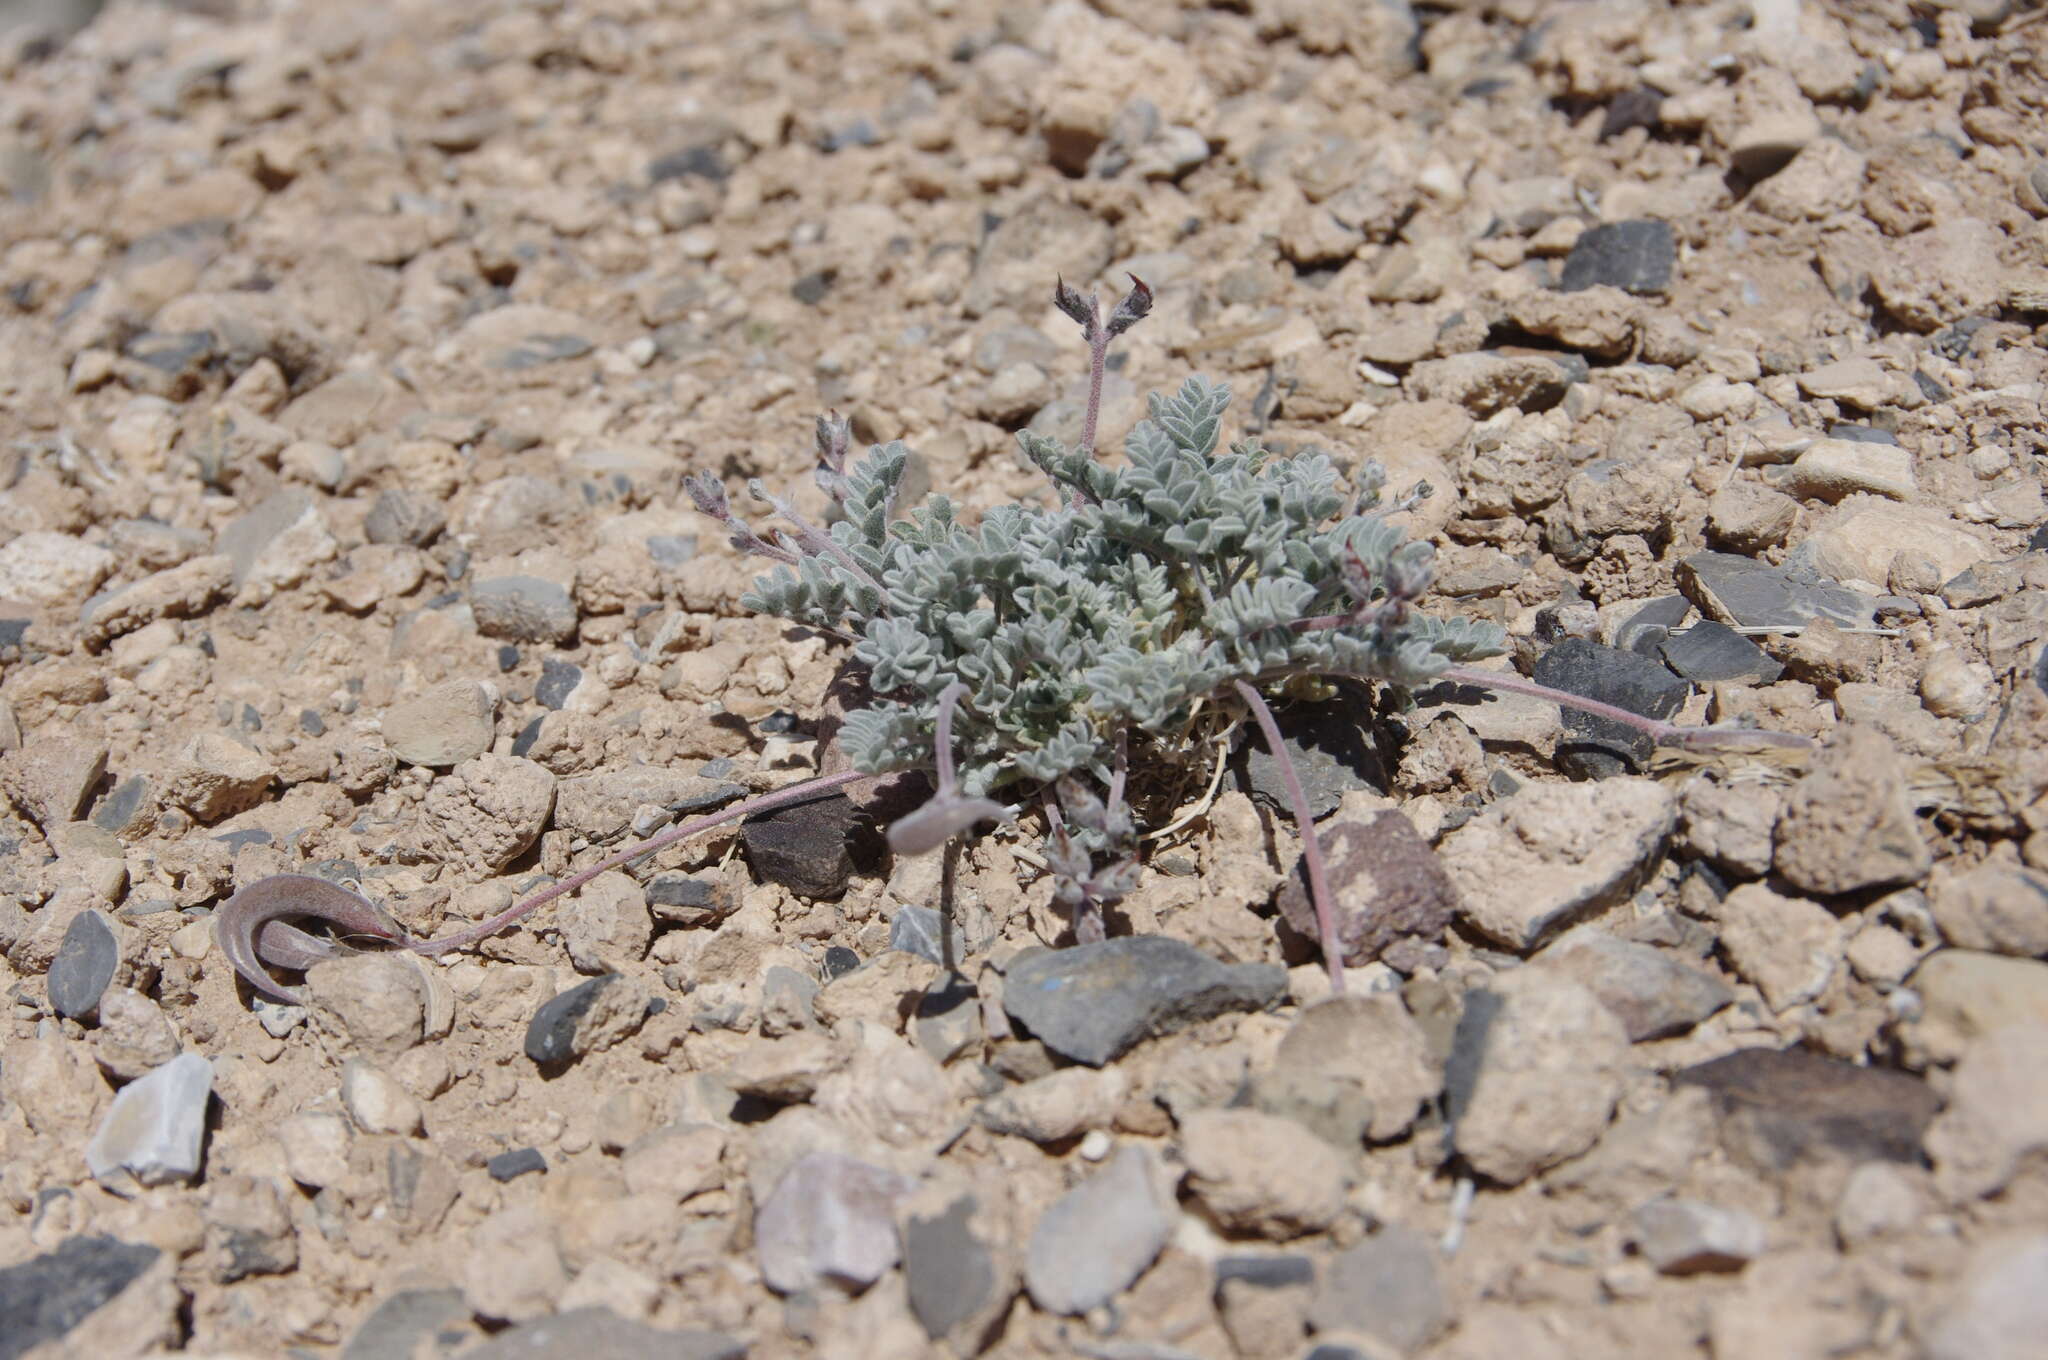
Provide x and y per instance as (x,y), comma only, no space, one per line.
(1094,1002)
(156,1126)
(1099,1237)
(830,1220)
(523,609)
(84,966)
(600,1334)
(1745,593)
(1386,1287)
(1652,994)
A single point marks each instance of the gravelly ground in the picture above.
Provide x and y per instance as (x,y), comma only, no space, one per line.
(352,357)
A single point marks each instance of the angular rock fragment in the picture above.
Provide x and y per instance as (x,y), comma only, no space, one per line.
(1094,1002)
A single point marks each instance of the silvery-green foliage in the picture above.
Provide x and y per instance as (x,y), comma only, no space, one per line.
(1140,592)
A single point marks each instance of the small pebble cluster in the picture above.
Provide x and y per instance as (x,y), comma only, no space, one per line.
(352,358)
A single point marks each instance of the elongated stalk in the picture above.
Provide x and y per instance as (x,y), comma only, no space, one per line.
(1311,847)
(1657,730)
(767,802)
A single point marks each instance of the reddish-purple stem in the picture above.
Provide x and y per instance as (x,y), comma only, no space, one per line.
(483,930)
(1311,847)
(1659,731)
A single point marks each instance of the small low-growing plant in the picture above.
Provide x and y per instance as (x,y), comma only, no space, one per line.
(1084,656)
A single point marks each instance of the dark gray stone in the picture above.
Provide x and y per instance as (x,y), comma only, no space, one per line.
(1266,1272)
(1649,626)
(534,350)
(119,810)
(1862,434)
(401,516)
(1386,1286)
(528,735)
(804,846)
(44,1297)
(1637,256)
(1652,994)
(950,1273)
(11,633)
(688,900)
(812,287)
(558,680)
(518,1162)
(1596,747)
(919,931)
(1712,653)
(173,358)
(311,723)
(600,1334)
(1094,1002)
(839,961)
(551,1034)
(1332,749)
(84,966)
(523,609)
(703,162)
(400,1322)
(1751,594)
(1778,1108)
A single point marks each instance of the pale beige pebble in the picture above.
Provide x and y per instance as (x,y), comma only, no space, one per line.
(1262,1174)
(296,541)
(1848,823)
(143,433)
(1834,469)
(1883,954)
(1998,1309)
(444,726)
(1792,1304)
(674,1163)
(1730,824)
(1552,854)
(1996,1113)
(1965,993)
(1789,947)
(1860,538)
(783,1069)
(1766,125)
(377,572)
(1545,1080)
(134,1036)
(893,1095)
(1897,714)
(883,990)
(611,1284)
(1057,1106)
(1953,687)
(1988,461)
(316,1146)
(1351,1068)
(377,1102)
(193,940)
(606,924)
(1769,441)
(1936,277)
(1715,398)
(53,774)
(175,592)
(513,1269)
(261,387)
(180,673)
(1600,320)
(1825,178)
(371,1002)
(1860,381)
(215,776)
(44,568)
(55,1085)
(1997,906)
(130,654)
(1878,1200)
(1685,1237)
(91,370)
(1749,517)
